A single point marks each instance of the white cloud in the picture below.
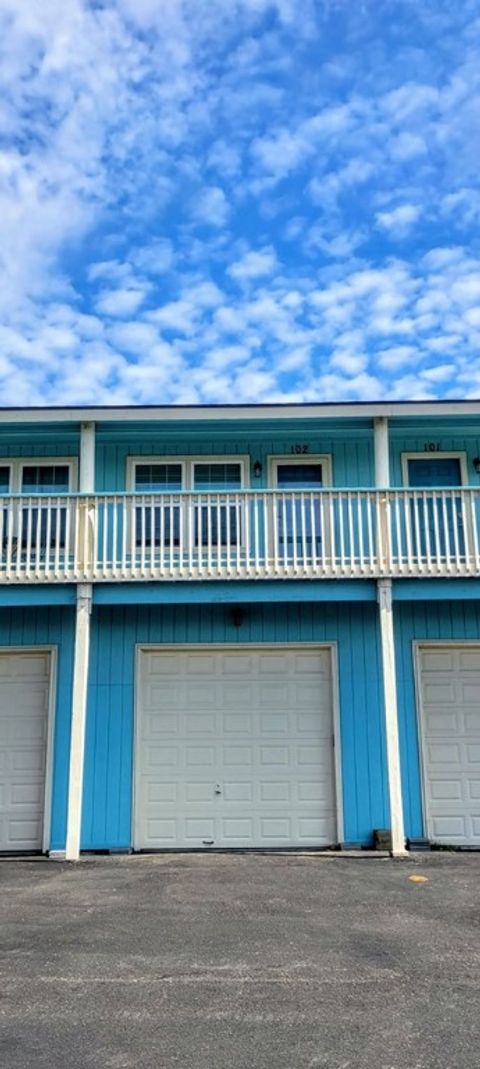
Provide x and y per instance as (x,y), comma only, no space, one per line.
(253,264)
(120,302)
(400,220)
(211,207)
(186,202)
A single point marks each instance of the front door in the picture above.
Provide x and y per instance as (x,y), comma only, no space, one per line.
(299,526)
(436,522)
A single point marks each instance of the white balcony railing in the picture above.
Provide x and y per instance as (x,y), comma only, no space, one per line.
(240,535)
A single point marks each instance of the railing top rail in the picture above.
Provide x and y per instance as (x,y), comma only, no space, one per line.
(401,491)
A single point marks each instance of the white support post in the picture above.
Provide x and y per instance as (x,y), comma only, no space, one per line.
(384,593)
(80,667)
(382,458)
(79,716)
(87,458)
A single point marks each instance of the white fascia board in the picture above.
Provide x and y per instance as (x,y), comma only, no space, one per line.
(200,413)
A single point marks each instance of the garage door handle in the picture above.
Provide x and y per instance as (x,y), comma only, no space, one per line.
(218,789)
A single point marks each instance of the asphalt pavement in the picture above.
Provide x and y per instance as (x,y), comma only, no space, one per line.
(240,962)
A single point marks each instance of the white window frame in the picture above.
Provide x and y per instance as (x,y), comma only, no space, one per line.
(17,465)
(294,460)
(447,454)
(187,463)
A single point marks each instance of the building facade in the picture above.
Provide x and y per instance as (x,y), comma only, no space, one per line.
(239,627)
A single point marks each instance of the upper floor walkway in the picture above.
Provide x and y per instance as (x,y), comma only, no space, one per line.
(321,534)
(240,493)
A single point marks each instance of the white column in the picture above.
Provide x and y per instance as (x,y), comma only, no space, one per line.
(79,716)
(80,666)
(382,458)
(384,596)
(87,458)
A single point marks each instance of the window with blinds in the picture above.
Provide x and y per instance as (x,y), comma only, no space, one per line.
(215,477)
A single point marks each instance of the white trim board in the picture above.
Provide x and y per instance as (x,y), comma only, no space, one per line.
(332,647)
(51,713)
(347,410)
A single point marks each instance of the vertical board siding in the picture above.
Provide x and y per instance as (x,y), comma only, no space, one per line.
(116,630)
(52,626)
(352,454)
(423,622)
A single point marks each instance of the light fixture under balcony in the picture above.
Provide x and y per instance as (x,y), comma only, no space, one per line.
(257,469)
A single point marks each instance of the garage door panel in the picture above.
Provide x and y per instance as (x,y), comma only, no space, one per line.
(451,743)
(267,779)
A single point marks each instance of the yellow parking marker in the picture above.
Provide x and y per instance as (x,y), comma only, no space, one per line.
(418,879)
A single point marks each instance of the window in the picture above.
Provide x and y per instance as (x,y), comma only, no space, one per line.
(159,522)
(216,522)
(27,525)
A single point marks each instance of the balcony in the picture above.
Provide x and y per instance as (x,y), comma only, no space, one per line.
(327,534)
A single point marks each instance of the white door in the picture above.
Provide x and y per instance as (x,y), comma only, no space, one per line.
(450,713)
(234,748)
(24,701)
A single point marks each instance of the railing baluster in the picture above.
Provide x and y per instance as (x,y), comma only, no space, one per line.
(417,528)
(351,536)
(456,540)
(342,535)
(426,525)
(256,534)
(360,520)
(446,531)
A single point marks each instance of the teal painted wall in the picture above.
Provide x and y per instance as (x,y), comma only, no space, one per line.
(50,627)
(352,453)
(109,745)
(422,621)
(349,442)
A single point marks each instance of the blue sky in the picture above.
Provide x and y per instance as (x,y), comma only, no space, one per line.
(239,200)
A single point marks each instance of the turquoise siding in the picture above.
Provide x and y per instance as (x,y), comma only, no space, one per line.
(109,744)
(352,452)
(50,627)
(422,622)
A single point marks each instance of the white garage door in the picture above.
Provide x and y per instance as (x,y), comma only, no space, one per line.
(24,699)
(234,749)
(450,700)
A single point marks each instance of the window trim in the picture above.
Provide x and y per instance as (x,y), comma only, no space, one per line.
(275,460)
(17,464)
(187,463)
(447,454)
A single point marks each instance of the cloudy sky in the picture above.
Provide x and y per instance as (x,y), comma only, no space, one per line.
(239,200)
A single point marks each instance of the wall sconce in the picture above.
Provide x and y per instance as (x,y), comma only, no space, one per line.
(476,464)
(257,469)
(238,615)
